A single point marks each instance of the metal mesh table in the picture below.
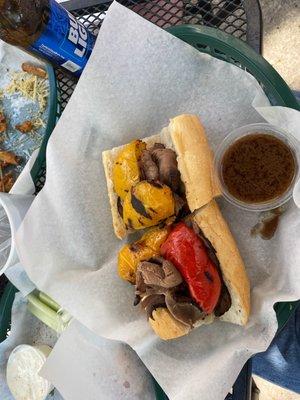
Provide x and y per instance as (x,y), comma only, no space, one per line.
(237,17)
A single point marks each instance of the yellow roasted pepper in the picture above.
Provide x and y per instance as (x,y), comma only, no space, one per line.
(126,170)
(131,254)
(147,204)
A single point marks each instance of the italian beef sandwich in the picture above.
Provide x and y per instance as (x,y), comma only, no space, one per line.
(186,268)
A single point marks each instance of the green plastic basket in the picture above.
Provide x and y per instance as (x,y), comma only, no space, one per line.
(53,111)
(224,47)
(228,48)
(6,302)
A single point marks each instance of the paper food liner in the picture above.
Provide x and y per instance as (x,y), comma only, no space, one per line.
(139,77)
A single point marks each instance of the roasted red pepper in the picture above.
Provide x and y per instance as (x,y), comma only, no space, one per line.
(186,250)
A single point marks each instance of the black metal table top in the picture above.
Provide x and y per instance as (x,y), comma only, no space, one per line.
(241,18)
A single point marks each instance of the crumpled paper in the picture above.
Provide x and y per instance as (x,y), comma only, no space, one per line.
(83,365)
(138,77)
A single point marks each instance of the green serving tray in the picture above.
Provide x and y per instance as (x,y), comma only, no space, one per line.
(7,298)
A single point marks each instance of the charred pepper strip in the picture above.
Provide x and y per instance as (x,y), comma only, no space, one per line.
(188,253)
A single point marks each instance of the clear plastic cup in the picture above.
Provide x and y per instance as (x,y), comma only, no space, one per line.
(13,209)
(262,128)
(22,372)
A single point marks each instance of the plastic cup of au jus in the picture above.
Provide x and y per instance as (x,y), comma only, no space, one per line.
(245,164)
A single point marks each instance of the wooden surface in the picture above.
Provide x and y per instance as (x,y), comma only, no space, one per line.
(269,391)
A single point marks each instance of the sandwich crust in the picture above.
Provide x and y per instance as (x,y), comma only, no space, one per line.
(195,160)
(211,222)
(166,326)
(108,159)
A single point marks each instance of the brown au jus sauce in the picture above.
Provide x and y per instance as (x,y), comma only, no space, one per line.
(258,168)
(268,223)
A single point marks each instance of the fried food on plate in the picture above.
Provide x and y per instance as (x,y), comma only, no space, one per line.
(6,182)
(25,127)
(7,157)
(3,123)
(34,70)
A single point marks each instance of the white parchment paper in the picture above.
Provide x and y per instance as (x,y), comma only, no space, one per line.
(138,77)
(85,366)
